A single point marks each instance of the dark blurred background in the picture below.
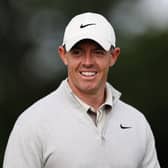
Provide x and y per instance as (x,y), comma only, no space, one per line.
(30,68)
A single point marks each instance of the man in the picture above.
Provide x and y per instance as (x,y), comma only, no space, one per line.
(83,124)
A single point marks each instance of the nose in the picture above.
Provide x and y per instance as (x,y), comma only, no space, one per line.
(88,59)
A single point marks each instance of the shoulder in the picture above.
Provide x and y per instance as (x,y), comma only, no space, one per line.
(44,109)
(123,111)
(129,112)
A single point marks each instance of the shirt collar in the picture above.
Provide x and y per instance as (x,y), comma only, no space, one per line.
(112,95)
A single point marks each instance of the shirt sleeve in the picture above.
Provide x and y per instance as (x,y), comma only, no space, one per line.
(24,148)
(150,159)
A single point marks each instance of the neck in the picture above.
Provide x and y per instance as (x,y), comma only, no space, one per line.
(94,100)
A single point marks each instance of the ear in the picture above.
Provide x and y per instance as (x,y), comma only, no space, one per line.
(62,54)
(114,55)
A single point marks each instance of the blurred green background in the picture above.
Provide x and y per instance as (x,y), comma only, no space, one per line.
(30,68)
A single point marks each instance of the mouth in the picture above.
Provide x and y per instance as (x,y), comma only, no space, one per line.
(88,74)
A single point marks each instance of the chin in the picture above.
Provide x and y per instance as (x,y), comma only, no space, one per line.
(88,89)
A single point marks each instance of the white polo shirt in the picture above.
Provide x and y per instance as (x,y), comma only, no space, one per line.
(98,116)
(55,132)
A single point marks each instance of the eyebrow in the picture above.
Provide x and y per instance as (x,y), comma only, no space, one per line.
(98,47)
(75,47)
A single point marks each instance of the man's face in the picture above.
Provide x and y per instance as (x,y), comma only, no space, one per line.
(88,65)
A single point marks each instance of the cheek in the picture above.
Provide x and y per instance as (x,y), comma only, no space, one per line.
(111,62)
(72,67)
(105,64)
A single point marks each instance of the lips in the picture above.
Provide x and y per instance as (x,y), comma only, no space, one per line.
(88,74)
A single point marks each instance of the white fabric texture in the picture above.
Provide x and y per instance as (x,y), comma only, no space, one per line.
(55,133)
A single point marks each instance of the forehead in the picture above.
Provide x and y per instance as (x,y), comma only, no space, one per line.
(87,42)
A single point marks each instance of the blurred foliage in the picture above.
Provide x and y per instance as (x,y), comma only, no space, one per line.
(140,73)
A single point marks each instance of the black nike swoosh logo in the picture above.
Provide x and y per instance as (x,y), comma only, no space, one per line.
(124,127)
(90,24)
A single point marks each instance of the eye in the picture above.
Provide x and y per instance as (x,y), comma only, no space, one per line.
(99,52)
(76,52)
